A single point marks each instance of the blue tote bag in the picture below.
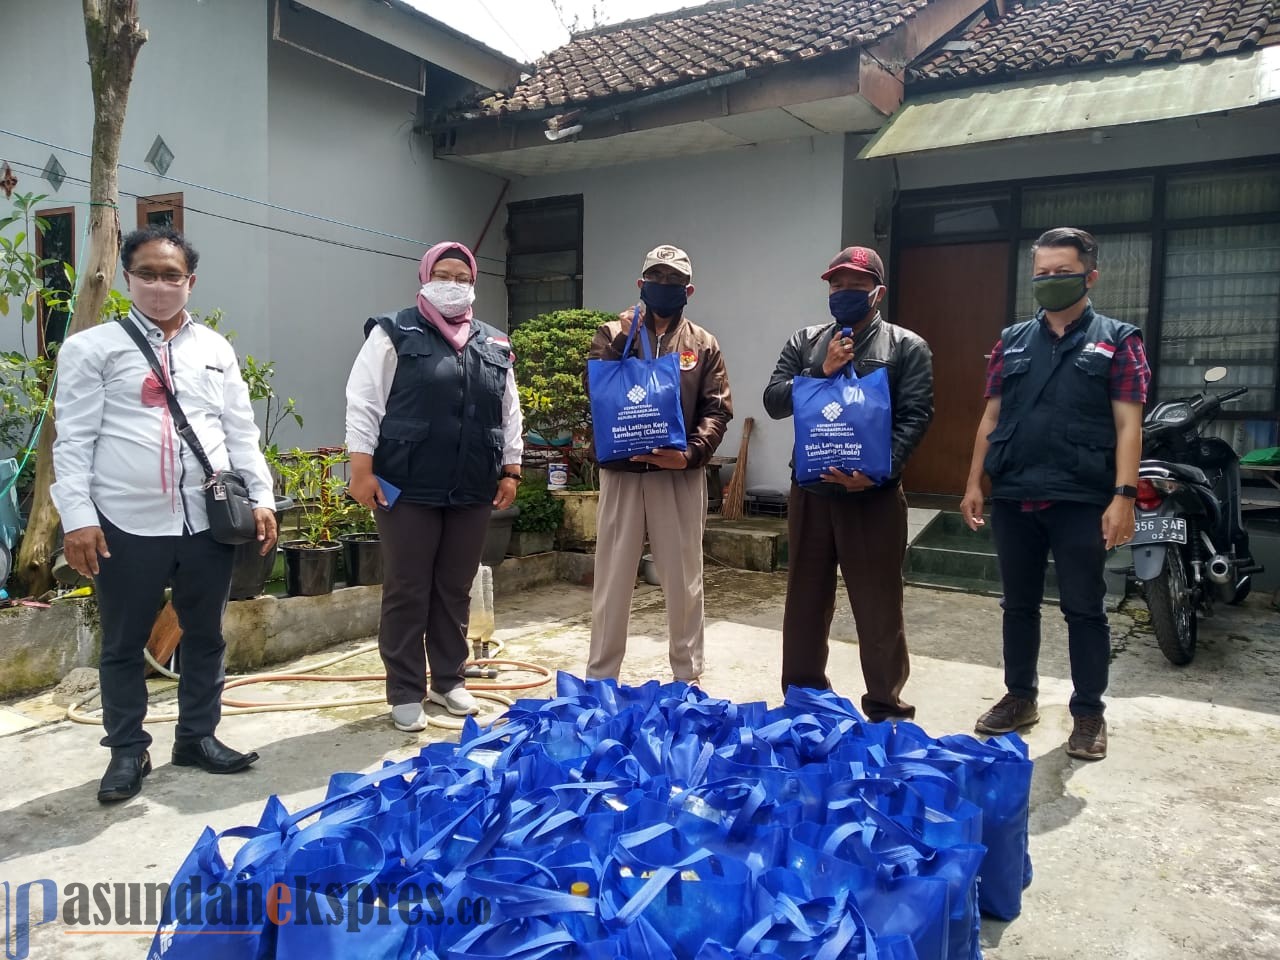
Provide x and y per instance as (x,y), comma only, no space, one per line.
(842,421)
(635,401)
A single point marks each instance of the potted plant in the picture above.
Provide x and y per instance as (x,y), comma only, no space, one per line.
(313,481)
(361,547)
(534,530)
(551,364)
(251,570)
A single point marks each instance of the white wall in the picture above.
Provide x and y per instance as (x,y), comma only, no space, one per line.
(342,145)
(272,125)
(205,99)
(1205,140)
(760,225)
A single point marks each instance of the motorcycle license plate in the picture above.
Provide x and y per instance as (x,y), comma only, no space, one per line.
(1159,530)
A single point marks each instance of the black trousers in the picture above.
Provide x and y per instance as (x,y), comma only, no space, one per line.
(1073,531)
(866,537)
(430,556)
(130,587)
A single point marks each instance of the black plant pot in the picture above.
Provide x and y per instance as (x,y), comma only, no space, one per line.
(498,535)
(250,570)
(310,569)
(362,558)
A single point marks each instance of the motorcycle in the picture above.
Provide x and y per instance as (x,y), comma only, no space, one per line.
(1189,545)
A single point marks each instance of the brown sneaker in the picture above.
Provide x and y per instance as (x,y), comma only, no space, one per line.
(1010,714)
(1088,740)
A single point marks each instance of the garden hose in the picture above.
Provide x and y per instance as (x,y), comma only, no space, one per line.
(235,707)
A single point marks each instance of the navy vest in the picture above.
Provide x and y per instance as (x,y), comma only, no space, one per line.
(1056,436)
(440,441)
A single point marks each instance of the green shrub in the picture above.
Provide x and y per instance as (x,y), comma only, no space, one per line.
(551,361)
(540,512)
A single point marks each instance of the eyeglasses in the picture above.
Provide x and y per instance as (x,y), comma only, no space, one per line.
(451,277)
(150,276)
(666,279)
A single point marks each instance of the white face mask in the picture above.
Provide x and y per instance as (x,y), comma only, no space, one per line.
(448,296)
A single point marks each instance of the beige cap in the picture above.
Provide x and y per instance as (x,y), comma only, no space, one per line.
(668,256)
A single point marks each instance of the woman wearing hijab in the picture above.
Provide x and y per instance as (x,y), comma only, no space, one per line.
(432,412)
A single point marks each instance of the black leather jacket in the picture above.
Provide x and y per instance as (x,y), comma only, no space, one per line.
(880,344)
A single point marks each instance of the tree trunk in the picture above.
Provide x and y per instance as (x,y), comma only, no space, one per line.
(114,36)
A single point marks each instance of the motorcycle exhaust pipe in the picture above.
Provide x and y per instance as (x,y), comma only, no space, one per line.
(1219,569)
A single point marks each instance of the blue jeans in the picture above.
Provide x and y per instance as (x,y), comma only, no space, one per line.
(1073,531)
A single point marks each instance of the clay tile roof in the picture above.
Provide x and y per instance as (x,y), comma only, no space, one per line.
(1060,34)
(699,43)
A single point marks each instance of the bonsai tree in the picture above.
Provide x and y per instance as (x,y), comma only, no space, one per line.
(313,480)
(551,366)
(551,362)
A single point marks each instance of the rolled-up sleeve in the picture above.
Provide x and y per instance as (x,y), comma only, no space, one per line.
(78,409)
(368,388)
(512,422)
(242,434)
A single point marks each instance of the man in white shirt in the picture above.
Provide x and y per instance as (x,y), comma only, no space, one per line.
(130,494)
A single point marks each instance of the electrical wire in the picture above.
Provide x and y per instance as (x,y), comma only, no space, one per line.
(221,192)
(272,229)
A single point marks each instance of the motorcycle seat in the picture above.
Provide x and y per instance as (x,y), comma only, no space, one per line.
(1181,471)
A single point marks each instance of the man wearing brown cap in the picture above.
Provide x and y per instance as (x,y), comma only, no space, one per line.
(847,520)
(661,495)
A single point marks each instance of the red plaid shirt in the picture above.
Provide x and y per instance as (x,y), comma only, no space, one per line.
(1129,381)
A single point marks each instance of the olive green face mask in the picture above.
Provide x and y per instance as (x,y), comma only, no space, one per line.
(1059,291)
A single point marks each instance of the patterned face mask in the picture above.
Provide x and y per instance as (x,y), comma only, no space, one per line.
(448,296)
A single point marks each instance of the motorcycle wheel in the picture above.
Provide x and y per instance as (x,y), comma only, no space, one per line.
(1172,616)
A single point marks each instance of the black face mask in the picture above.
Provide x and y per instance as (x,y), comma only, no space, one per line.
(850,306)
(664,299)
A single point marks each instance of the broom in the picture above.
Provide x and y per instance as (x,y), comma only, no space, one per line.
(736,496)
(166,634)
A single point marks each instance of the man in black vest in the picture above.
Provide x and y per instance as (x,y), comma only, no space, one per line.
(1060,439)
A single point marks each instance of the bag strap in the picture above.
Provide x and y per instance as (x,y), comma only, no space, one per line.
(637,324)
(175,409)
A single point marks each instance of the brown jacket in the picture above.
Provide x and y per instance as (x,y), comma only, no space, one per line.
(704,384)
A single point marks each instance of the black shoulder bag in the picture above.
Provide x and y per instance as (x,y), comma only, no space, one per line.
(226,496)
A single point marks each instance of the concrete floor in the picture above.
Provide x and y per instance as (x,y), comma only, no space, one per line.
(1167,849)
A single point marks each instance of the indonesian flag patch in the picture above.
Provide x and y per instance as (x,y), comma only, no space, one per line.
(1108,350)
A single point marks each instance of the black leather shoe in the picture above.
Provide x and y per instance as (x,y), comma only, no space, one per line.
(210,754)
(123,778)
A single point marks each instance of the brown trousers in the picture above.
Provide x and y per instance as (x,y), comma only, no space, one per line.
(866,537)
(670,507)
(430,556)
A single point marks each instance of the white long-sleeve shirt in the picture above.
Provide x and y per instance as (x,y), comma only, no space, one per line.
(111,447)
(369,386)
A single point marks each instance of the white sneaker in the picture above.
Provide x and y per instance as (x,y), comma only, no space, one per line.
(409,717)
(457,701)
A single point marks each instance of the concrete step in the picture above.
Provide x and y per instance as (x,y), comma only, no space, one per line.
(752,543)
(948,555)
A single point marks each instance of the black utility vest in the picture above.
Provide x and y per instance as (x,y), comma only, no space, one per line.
(440,441)
(1056,436)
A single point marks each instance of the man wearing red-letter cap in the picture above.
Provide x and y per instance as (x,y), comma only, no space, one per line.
(847,520)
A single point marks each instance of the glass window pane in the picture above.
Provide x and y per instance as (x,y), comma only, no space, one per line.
(545,227)
(1081,204)
(540,266)
(923,220)
(1222,306)
(1123,289)
(1223,194)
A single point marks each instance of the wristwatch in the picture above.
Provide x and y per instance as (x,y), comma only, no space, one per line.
(510,475)
(1126,491)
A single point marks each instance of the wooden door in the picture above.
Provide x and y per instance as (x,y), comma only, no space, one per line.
(956,298)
